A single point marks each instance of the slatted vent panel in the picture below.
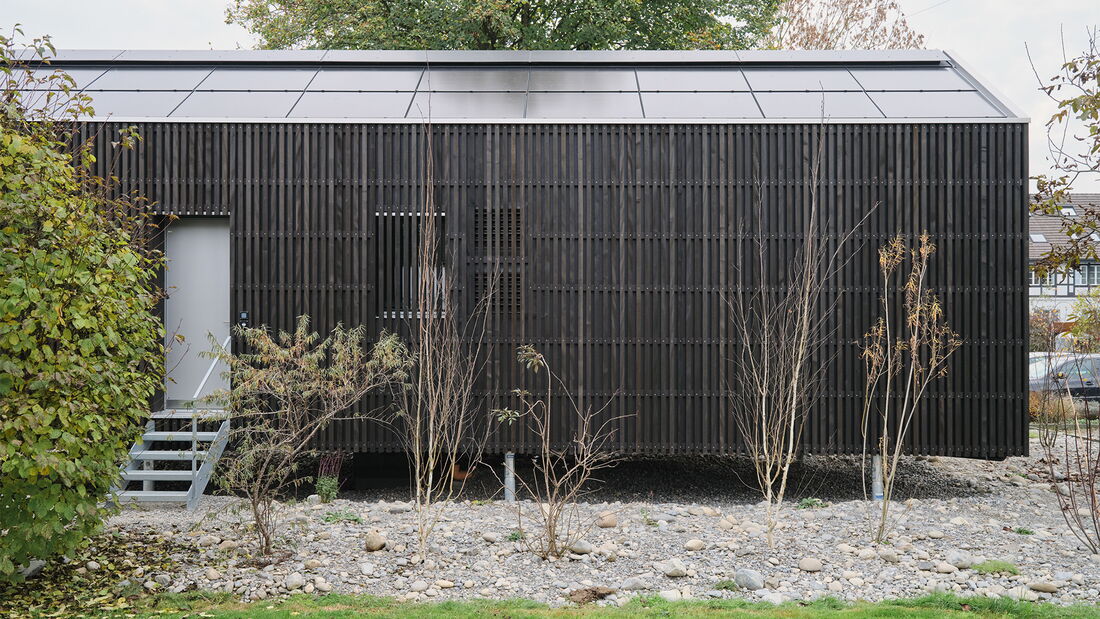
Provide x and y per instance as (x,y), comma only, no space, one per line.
(498,232)
(507,299)
(397,261)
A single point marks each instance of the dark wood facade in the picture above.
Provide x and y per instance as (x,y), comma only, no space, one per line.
(616,244)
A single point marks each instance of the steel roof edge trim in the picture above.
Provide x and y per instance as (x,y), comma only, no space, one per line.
(489,57)
(985,120)
(983,86)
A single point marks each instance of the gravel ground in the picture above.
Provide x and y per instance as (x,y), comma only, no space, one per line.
(675,528)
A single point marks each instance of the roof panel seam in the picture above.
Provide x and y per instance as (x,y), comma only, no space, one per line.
(865,94)
(412,96)
(193,89)
(304,90)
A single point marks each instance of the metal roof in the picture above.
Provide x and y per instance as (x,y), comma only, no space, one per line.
(532,86)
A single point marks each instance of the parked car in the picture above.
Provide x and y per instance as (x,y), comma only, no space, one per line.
(1040,363)
(1080,373)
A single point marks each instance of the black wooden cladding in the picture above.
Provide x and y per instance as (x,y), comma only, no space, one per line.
(615,244)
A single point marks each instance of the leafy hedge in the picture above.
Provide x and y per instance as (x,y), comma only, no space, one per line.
(80,351)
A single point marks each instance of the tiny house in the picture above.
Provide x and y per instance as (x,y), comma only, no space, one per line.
(616,193)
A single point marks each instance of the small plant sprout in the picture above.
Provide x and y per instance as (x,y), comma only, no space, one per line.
(328,475)
(995,567)
(341,515)
(516,536)
(1023,531)
(811,503)
(327,488)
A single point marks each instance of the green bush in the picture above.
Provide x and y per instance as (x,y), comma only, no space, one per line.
(80,351)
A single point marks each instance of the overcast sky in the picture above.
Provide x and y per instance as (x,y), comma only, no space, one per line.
(989,35)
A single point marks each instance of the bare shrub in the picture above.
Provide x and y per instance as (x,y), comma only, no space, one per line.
(901,362)
(1071,450)
(286,391)
(562,475)
(779,327)
(438,414)
(1069,432)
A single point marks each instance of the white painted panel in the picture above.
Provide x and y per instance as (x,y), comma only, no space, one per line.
(197,284)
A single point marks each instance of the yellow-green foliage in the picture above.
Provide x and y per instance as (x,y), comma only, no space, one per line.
(79,341)
(996,567)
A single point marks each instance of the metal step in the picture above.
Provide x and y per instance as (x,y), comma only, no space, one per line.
(153,454)
(152,496)
(202,414)
(155,475)
(178,435)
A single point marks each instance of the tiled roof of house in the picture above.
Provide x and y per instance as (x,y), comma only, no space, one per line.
(1049,227)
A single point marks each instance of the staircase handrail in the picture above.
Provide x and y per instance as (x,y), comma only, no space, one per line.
(210,370)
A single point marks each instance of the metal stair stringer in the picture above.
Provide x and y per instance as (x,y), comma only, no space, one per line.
(213,444)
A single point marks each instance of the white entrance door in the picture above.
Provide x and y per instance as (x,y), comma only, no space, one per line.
(197,284)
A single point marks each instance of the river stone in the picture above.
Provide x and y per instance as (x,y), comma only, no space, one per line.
(294,581)
(374,541)
(400,508)
(582,547)
(1043,586)
(810,564)
(960,559)
(674,568)
(671,595)
(33,568)
(419,586)
(633,583)
(749,579)
(209,540)
(607,520)
(943,567)
(774,597)
(694,545)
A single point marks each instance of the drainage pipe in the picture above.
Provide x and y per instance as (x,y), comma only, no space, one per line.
(876,477)
(510,477)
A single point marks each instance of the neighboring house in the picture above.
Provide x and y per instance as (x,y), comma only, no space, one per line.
(619,194)
(1057,291)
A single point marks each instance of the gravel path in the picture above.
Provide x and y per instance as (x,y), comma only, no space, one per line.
(958,513)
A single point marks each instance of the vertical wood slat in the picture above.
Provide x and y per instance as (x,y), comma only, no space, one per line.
(615,243)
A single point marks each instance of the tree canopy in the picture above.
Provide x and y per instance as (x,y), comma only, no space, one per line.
(505,24)
(843,24)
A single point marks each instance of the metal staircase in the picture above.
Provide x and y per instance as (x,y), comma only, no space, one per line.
(202,449)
